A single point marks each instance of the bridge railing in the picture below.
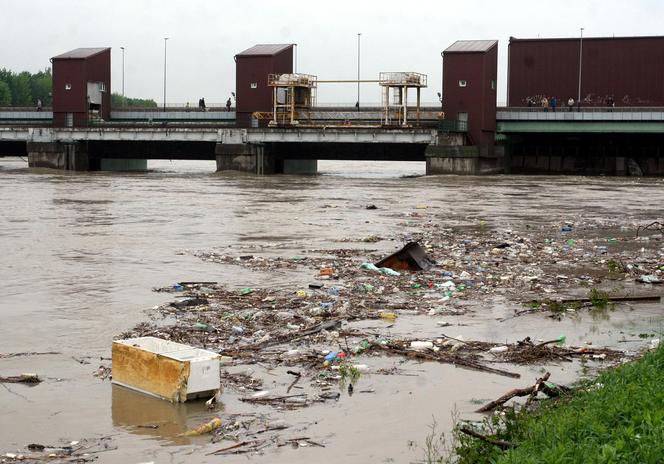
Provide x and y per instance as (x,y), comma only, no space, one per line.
(582,109)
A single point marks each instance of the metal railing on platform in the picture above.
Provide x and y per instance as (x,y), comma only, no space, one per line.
(582,109)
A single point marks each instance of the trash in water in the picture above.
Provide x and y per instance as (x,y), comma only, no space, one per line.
(421,345)
(211,426)
(189,302)
(165,369)
(650,279)
(382,270)
(23,378)
(498,349)
(411,257)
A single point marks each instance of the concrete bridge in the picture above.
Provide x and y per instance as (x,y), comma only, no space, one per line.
(594,140)
(256,150)
(529,140)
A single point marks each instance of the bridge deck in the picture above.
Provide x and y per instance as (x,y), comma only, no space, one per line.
(588,120)
(223,135)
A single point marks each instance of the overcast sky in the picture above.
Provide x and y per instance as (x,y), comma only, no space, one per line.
(205,34)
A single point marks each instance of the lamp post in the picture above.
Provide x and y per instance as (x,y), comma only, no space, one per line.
(123,93)
(165,40)
(578,96)
(359,34)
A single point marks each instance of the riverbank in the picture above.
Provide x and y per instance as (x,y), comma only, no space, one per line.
(617,417)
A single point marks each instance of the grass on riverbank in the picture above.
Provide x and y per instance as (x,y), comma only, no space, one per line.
(618,418)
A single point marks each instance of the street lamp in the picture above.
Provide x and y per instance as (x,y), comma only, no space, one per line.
(123,94)
(358,70)
(578,97)
(165,40)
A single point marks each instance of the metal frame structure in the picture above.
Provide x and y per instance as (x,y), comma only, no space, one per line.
(291,95)
(397,112)
(294,97)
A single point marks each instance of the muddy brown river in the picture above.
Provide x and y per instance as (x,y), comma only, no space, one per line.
(80,254)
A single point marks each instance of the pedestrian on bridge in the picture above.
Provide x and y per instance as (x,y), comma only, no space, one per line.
(228,104)
(39,104)
(545,103)
(554,103)
(570,104)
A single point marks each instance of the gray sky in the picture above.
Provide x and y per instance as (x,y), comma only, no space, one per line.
(205,34)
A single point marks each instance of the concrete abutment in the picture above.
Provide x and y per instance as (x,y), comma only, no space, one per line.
(68,156)
(76,156)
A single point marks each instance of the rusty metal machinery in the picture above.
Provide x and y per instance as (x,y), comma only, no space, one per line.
(292,96)
(395,110)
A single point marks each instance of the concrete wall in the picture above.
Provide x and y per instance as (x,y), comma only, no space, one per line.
(57,155)
(463,160)
(589,154)
(249,158)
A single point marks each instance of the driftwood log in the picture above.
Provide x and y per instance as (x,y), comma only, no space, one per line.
(446,358)
(541,385)
(503,445)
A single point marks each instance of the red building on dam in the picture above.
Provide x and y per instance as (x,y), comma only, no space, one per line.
(628,71)
(81,86)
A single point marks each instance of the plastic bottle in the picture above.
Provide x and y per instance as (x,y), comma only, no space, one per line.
(388,316)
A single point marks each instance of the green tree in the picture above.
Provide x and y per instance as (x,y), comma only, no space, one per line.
(118,102)
(5,94)
(21,89)
(41,85)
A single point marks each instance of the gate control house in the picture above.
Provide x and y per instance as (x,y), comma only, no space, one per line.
(470,69)
(252,68)
(81,87)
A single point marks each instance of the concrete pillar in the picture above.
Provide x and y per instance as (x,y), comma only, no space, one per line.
(299,166)
(245,157)
(113,164)
(71,156)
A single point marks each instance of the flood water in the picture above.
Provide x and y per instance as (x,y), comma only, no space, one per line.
(80,253)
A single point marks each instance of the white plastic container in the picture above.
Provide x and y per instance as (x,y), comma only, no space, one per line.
(168,370)
(421,345)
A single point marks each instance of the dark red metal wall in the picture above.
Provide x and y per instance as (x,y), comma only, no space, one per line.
(478,98)
(631,69)
(78,72)
(255,69)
